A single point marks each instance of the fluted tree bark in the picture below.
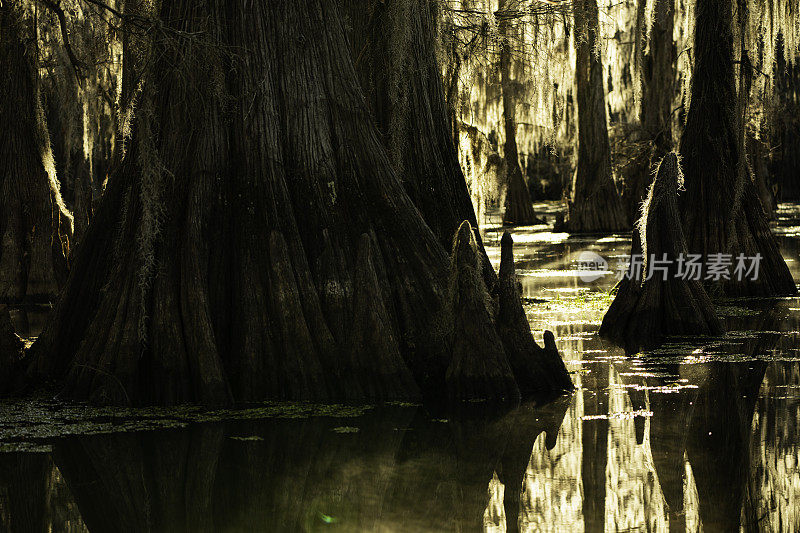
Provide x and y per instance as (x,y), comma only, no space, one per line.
(392,45)
(721,209)
(266,213)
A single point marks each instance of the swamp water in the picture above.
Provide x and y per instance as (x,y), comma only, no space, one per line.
(701,436)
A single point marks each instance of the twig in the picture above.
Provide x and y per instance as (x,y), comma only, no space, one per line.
(62,22)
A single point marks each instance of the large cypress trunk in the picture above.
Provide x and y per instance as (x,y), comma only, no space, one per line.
(722,212)
(34,224)
(254,216)
(392,45)
(595,205)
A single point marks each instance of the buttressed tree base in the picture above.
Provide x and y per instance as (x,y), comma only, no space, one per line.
(267,213)
(649,307)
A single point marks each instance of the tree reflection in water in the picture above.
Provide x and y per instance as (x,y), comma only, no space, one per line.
(641,447)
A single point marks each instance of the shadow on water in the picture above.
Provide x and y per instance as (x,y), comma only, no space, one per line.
(392,469)
(697,435)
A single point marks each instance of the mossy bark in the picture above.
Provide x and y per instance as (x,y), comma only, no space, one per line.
(645,310)
(595,205)
(35,227)
(722,212)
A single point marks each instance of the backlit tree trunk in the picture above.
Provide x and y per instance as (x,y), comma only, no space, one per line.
(518,204)
(658,81)
(721,209)
(595,205)
(392,44)
(645,310)
(254,219)
(34,224)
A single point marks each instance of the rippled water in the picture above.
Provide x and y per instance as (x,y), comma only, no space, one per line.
(693,436)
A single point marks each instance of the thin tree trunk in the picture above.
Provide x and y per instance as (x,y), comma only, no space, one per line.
(658,80)
(595,205)
(518,203)
(721,210)
(34,224)
(256,211)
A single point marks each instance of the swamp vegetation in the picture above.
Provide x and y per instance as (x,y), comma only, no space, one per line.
(399,265)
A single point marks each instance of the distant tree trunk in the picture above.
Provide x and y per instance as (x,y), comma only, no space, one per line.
(34,224)
(255,215)
(721,209)
(787,124)
(758,155)
(657,78)
(518,204)
(595,205)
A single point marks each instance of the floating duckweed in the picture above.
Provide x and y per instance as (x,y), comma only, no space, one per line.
(345,429)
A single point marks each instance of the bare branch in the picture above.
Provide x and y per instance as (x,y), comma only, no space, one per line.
(62,22)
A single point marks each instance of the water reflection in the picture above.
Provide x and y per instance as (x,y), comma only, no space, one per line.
(718,449)
(695,437)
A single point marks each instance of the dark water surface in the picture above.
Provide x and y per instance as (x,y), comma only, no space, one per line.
(693,436)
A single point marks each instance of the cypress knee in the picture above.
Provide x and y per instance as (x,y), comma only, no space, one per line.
(479,368)
(539,371)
